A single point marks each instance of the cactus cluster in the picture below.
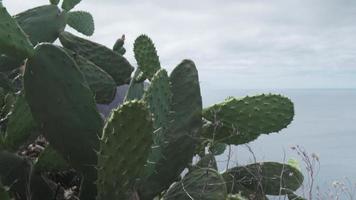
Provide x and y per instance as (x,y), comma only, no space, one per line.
(145,149)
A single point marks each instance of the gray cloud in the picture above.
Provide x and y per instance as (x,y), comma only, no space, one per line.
(238,43)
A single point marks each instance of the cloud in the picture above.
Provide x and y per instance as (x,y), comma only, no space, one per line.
(238,43)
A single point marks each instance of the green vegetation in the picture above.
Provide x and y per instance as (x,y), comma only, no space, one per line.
(146,144)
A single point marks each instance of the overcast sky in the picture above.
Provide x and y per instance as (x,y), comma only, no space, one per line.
(237,43)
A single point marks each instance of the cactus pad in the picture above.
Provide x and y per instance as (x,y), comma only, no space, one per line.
(146,57)
(21,125)
(202,184)
(208,161)
(81,21)
(268,178)
(69,4)
(8,63)
(101,83)
(13,40)
(42,24)
(185,124)
(124,149)
(14,173)
(136,89)
(240,121)
(158,98)
(113,63)
(63,106)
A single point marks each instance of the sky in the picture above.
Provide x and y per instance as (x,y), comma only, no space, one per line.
(236,44)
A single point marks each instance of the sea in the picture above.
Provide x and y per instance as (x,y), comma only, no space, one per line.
(324,128)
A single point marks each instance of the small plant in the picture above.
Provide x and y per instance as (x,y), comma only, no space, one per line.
(142,149)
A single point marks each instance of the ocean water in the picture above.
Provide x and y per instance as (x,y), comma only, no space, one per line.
(324,124)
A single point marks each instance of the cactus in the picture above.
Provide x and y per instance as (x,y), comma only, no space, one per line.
(186,122)
(267,178)
(136,89)
(4,195)
(69,4)
(158,97)
(8,63)
(81,21)
(54,2)
(202,184)
(208,161)
(14,173)
(119,46)
(114,64)
(101,83)
(21,126)
(42,24)
(164,128)
(62,103)
(128,133)
(240,121)
(13,41)
(146,57)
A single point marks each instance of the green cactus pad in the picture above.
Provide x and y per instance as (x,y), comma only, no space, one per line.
(119,46)
(185,124)
(124,149)
(208,161)
(158,98)
(54,2)
(101,83)
(14,173)
(146,57)
(42,24)
(114,64)
(63,105)
(202,184)
(81,21)
(136,89)
(4,194)
(217,148)
(240,121)
(13,40)
(8,63)
(21,125)
(49,160)
(69,4)
(268,178)
(6,83)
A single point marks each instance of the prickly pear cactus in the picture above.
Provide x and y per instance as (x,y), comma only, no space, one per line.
(4,195)
(8,63)
(101,83)
(124,149)
(208,161)
(64,107)
(54,2)
(119,45)
(266,178)
(146,57)
(21,125)
(239,121)
(69,4)
(42,24)
(158,97)
(13,41)
(136,89)
(81,21)
(185,124)
(14,173)
(111,62)
(202,184)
